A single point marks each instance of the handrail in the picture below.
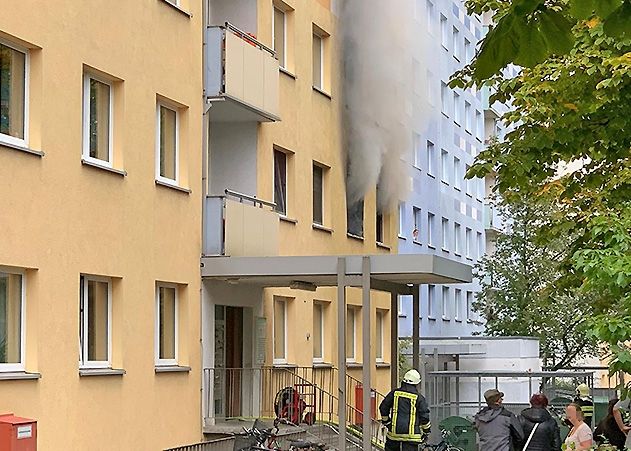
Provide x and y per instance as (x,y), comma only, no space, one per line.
(255,200)
(246,37)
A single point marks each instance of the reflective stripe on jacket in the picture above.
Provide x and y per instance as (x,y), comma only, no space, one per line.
(409,414)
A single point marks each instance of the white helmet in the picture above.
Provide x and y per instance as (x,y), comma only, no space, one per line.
(412,377)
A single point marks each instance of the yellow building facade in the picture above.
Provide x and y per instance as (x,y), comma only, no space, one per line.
(100,131)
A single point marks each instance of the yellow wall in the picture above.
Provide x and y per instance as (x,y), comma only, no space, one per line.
(63,218)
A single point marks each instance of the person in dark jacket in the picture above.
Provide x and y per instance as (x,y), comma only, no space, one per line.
(404,411)
(547,436)
(608,429)
(498,428)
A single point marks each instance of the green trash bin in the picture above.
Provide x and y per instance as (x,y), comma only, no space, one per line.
(459,432)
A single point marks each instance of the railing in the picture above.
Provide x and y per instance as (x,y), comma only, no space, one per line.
(252,393)
(238,224)
(492,218)
(222,444)
(249,38)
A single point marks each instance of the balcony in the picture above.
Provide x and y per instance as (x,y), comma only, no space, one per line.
(240,225)
(493,221)
(491,110)
(241,77)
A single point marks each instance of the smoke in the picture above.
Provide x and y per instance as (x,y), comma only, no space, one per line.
(381,89)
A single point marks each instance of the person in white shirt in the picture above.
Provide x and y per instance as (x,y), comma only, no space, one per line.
(580,436)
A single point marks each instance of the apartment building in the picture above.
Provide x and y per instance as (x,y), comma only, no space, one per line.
(445,213)
(100,131)
(276,187)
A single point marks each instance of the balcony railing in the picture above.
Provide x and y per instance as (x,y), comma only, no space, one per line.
(240,225)
(241,76)
(493,221)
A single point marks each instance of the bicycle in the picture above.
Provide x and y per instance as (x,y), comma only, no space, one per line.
(258,439)
(443,445)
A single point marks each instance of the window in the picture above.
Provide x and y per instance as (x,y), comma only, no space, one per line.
(379,335)
(445,233)
(455,36)
(480,245)
(443,31)
(468,242)
(458,304)
(280,181)
(444,98)
(467,116)
(469,188)
(351,332)
(457,174)
(167,324)
(444,166)
(355,217)
(457,239)
(97,120)
(318,332)
(95,312)
(446,311)
(379,227)
(430,16)
(280,330)
(13,93)
(431,301)
(416,232)
(279,35)
(470,306)
(479,125)
(457,115)
(430,158)
(401,219)
(318,194)
(11,321)
(318,61)
(400,302)
(417,149)
(167,164)
(467,51)
(430,229)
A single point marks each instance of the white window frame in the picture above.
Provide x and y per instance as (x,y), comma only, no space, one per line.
(457,239)
(87,76)
(401,220)
(455,37)
(444,166)
(457,174)
(444,101)
(417,148)
(379,319)
(429,6)
(284,301)
(445,298)
(468,118)
(282,64)
(469,300)
(159,177)
(468,234)
(430,229)
(321,86)
(27,67)
(321,307)
(9,367)
(444,224)
(430,149)
(458,304)
(352,311)
(416,217)
(444,29)
(83,362)
(457,113)
(480,245)
(431,301)
(159,361)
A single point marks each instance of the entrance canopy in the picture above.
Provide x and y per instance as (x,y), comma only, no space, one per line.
(396,274)
(402,270)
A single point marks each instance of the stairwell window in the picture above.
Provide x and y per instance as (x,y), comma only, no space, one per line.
(379,335)
(13,95)
(318,194)
(279,35)
(95,323)
(351,333)
(167,151)
(12,319)
(97,120)
(280,330)
(318,331)
(166,324)
(280,181)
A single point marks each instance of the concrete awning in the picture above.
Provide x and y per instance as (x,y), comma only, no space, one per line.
(402,269)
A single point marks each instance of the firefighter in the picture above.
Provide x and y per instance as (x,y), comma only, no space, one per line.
(404,411)
(583,399)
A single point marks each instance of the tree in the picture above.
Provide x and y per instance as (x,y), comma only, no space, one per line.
(571,103)
(518,296)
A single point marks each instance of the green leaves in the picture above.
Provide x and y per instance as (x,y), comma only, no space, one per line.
(618,23)
(605,7)
(556,31)
(582,9)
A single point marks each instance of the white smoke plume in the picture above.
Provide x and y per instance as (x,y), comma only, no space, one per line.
(381,86)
